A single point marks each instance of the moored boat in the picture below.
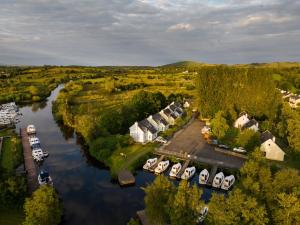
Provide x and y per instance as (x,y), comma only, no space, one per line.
(31,129)
(162,166)
(218,180)
(203,176)
(149,163)
(188,173)
(44,178)
(175,169)
(228,182)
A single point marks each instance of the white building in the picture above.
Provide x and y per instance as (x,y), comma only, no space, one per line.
(294,101)
(241,121)
(252,125)
(270,148)
(158,122)
(143,131)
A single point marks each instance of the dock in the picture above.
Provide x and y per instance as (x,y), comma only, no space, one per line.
(212,175)
(125,178)
(30,168)
(158,161)
(185,165)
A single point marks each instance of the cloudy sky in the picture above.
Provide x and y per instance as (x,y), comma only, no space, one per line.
(148,32)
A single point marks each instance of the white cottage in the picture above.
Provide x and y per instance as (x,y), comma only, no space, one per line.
(270,148)
(294,101)
(158,122)
(143,131)
(168,115)
(241,121)
(252,125)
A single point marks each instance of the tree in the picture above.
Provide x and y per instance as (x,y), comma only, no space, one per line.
(133,222)
(43,208)
(238,208)
(186,206)
(219,125)
(157,196)
(249,139)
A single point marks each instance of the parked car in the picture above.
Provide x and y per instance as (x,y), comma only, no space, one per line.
(240,149)
(224,147)
(161,140)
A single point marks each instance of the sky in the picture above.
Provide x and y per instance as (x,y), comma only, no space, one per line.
(148,32)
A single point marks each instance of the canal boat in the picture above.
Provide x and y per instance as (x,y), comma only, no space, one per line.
(149,163)
(175,169)
(188,173)
(218,180)
(44,178)
(203,176)
(34,141)
(38,155)
(203,214)
(31,129)
(45,154)
(228,182)
(162,166)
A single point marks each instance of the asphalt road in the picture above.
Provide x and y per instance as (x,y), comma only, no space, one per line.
(190,141)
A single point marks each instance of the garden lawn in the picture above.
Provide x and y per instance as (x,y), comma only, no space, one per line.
(133,155)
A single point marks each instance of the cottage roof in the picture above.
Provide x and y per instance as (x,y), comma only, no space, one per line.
(250,123)
(266,136)
(167,112)
(172,107)
(145,125)
(173,115)
(179,110)
(159,119)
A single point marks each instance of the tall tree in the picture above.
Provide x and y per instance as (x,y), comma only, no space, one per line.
(43,208)
(219,125)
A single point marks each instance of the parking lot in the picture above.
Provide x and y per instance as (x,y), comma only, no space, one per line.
(190,141)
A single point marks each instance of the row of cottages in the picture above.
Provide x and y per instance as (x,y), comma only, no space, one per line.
(270,148)
(243,122)
(294,100)
(148,129)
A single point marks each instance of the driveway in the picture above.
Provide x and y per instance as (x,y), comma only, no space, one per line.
(190,141)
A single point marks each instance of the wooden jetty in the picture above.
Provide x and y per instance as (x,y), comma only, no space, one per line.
(30,168)
(212,174)
(125,178)
(185,165)
(155,165)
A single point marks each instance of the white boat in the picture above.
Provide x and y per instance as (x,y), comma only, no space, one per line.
(149,163)
(45,154)
(175,169)
(38,154)
(31,129)
(240,149)
(188,173)
(228,182)
(44,178)
(203,176)
(162,166)
(34,141)
(203,214)
(218,180)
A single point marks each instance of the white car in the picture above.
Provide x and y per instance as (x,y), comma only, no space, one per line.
(161,139)
(240,149)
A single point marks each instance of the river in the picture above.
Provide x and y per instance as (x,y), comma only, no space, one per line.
(89,196)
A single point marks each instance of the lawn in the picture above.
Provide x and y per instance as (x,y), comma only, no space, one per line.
(134,154)
(11,155)
(11,216)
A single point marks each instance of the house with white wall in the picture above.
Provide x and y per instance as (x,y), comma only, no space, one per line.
(252,125)
(294,101)
(158,122)
(143,131)
(241,121)
(271,150)
(168,115)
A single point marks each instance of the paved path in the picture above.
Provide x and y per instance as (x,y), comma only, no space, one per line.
(30,168)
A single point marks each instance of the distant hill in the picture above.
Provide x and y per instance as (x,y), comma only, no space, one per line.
(185,64)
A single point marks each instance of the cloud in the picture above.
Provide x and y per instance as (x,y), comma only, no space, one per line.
(148,32)
(181,26)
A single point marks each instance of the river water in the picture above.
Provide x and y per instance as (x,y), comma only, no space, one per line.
(89,196)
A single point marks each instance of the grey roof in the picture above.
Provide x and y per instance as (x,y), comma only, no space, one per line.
(146,125)
(167,112)
(173,107)
(159,119)
(266,136)
(179,110)
(250,123)
(177,104)
(173,115)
